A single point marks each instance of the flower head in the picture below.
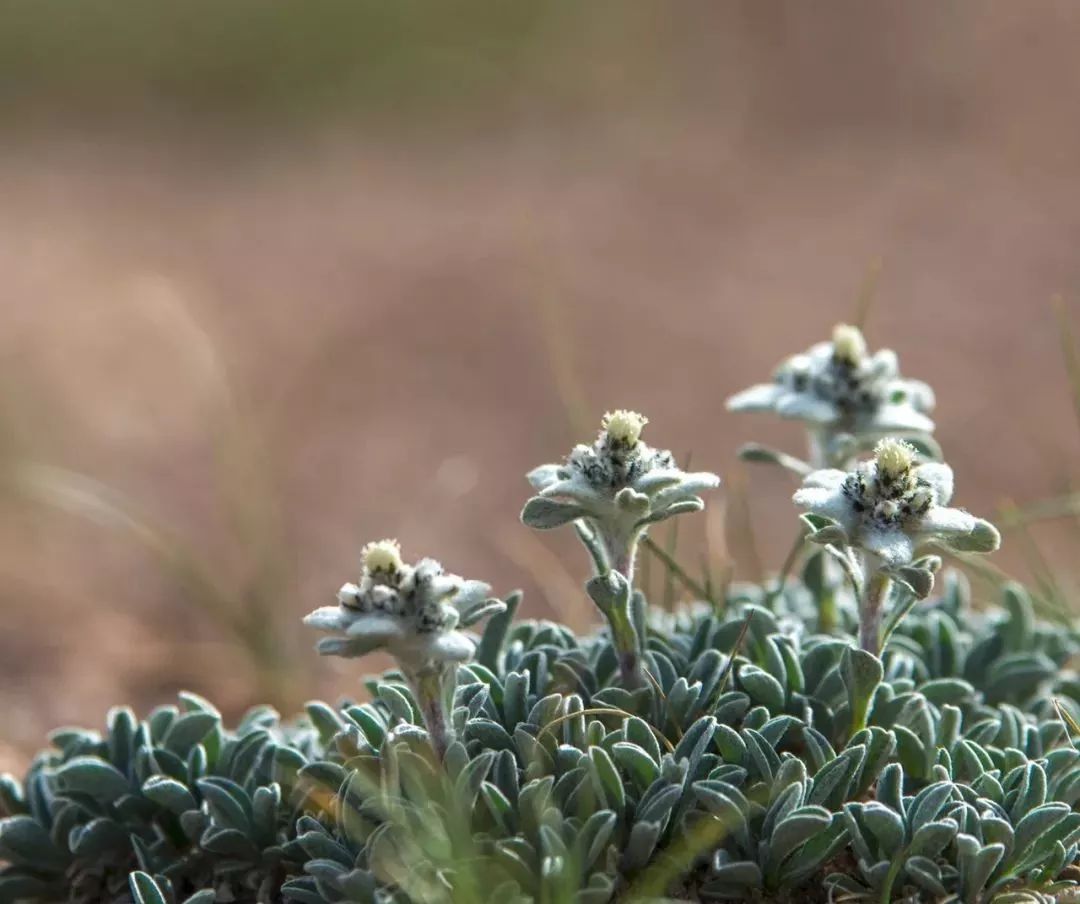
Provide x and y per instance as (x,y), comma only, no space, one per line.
(412,611)
(849,346)
(839,385)
(618,482)
(382,556)
(624,427)
(891,505)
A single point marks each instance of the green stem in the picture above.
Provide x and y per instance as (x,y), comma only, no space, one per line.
(432,687)
(624,636)
(831,576)
(871,609)
(891,876)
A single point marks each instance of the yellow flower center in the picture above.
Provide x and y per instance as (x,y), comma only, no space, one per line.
(382,556)
(894,459)
(849,345)
(624,426)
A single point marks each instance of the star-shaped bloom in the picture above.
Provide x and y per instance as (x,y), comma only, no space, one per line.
(891,506)
(412,611)
(840,386)
(619,484)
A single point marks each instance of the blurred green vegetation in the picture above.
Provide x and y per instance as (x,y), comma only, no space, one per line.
(255,58)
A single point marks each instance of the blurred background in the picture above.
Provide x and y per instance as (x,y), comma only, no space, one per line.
(278,279)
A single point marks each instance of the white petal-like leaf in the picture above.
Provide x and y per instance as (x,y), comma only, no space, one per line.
(545,514)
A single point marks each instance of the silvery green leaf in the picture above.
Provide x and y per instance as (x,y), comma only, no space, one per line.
(495,631)
(886,825)
(719,799)
(170,794)
(328,618)
(302,890)
(610,591)
(24,841)
(862,842)
(815,523)
(788,799)
(818,747)
(94,777)
(683,507)
(931,838)
(744,873)
(324,719)
(880,747)
(764,455)
(945,691)
(490,734)
(926,874)
(480,611)
(230,843)
(808,859)
(98,838)
(920,580)
(1038,824)
(638,732)
(636,762)
(599,890)
(12,800)
(499,806)
(206,896)
(144,890)
(794,831)
(984,537)
(852,569)
(545,514)
(832,534)
(631,502)
(544,475)
(760,754)
(595,547)
(264,809)
(1031,791)
(928,804)
(976,863)
(911,752)
(228,804)
(640,845)
(654,481)
(398,702)
(188,730)
(607,778)
(832,781)
(762,688)
(658,807)
(862,673)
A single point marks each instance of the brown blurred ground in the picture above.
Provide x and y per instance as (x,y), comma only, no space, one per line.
(272,331)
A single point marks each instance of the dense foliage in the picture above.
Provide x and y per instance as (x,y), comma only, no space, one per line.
(743,748)
(797,766)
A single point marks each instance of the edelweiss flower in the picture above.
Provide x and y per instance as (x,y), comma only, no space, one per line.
(412,611)
(891,506)
(838,385)
(619,485)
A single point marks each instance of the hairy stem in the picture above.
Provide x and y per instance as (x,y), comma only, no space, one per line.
(431,686)
(871,609)
(831,575)
(624,636)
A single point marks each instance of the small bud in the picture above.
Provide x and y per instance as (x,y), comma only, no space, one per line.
(849,346)
(624,426)
(382,557)
(894,459)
